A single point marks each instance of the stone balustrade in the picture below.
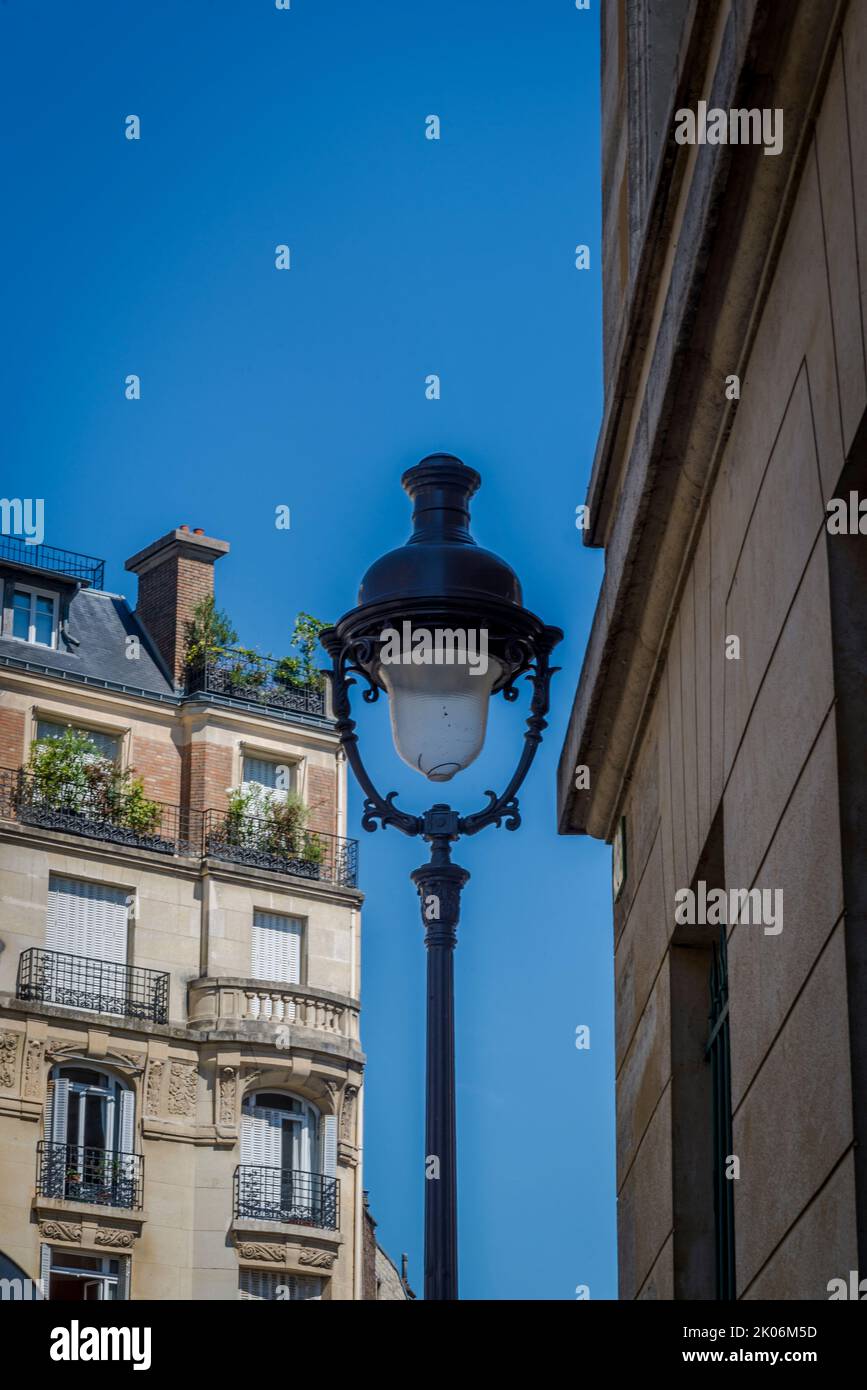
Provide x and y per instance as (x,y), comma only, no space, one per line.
(217,1003)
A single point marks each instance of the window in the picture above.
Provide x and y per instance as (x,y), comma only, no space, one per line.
(700,1095)
(719,1056)
(73,1278)
(107,745)
(265,772)
(279,1131)
(263,1284)
(288,1161)
(87,919)
(88,1154)
(34,616)
(276,948)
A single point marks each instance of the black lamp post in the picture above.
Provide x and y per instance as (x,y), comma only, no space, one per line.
(440,626)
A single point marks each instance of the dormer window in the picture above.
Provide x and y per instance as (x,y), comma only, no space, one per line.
(34,616)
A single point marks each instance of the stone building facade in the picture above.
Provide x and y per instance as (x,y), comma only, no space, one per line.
(180,1066)
(717,736)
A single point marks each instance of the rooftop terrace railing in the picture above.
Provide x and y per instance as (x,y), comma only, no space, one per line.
(258,680)
(70,563)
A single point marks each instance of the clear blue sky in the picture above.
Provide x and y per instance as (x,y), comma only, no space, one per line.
(306,388)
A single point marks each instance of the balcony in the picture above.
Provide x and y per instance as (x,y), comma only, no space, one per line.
(93,813)
(100,986)
(286,1196)
(229,1004)
(177,830)
(98,1177)
(253,841)
(254,679)
(69,563)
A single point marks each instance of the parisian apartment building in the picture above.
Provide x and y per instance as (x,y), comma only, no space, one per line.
(180,1065)
(717,735)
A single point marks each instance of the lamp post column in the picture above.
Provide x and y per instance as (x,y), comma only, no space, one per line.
(439,885)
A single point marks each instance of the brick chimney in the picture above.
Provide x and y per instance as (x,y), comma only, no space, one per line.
(174,574)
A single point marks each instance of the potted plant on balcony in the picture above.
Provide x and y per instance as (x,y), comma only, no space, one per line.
(290,838)
(300,672)
(208,633)
(69,784)
(262,826)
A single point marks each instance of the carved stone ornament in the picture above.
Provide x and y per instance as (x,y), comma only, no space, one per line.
(117,1239)
(317,1259)
(132,1061)
(228,1095)
(347,1114)
(9,1043)
(258,1250)
(153,1088)
(33,1067)
(60,1230)
(182,1089)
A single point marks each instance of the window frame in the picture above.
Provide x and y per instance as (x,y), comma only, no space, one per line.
(118,735)
(261,756)
(290,917)
(102,1276)
(35,592)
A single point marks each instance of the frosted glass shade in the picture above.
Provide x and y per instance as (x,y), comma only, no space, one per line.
(439,714)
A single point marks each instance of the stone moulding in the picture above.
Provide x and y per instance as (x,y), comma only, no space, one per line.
(285,1253)
(60,1230)
(96,1227)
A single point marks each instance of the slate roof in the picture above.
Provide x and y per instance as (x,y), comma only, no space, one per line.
(100,623)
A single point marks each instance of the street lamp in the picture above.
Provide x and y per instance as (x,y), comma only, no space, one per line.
(440,627)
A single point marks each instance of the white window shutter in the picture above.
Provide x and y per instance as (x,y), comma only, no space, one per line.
(258,1284)
(56,1111)
(87,919)
(329,1145)
(45,1270)
(262,1137)
(276,948)
(126,1127)
(123,1275)
(262,772)
(263,1284)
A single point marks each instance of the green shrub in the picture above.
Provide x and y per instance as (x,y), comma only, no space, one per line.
(69,773)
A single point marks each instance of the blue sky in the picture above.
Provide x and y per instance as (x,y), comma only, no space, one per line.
(306,388)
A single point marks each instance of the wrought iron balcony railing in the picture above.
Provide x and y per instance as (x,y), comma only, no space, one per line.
(96,813)
(103,986)
(102,1177)
(48,557)
(167,829)
(258,680)
(257,842)
(287,1195)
